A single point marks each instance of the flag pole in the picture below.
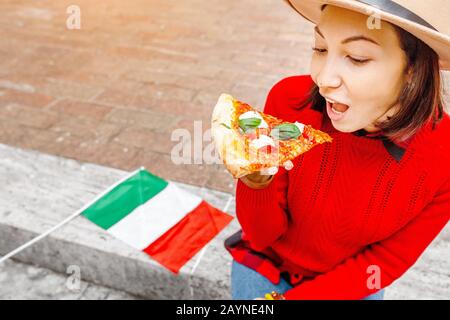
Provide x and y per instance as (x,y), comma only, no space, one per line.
(68,219)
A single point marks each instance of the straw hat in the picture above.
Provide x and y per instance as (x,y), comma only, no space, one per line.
(428,20)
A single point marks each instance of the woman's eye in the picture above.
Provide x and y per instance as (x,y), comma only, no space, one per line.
(358,61)
(319,50)
(353,60)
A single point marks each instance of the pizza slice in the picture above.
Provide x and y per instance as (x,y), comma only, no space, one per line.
(248,140)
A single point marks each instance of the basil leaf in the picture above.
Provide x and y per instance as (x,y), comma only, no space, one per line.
(225,126)
(249,123)
(285,131)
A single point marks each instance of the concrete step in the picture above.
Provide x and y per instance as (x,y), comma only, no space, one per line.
(19,281)
(37,191)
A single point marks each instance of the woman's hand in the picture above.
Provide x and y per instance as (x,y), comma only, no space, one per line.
(261,179)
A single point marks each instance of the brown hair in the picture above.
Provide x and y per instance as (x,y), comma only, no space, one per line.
(420,98)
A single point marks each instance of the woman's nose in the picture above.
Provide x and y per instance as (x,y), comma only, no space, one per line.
(329,76)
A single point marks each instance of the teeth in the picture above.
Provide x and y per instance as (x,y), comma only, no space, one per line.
(333,102)
(338,112)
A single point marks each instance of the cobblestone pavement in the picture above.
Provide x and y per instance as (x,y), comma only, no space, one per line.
(113,91)
(20,281)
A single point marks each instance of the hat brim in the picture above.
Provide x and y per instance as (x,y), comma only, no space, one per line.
(440,43)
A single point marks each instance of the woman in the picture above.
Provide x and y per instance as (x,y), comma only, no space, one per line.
(346,219)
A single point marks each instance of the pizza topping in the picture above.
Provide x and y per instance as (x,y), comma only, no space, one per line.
(250,114)
(262,141)
(264,131)
(255,133)
(286,131)
(249,124)
(300,126)
(253,115)
(252,134)
(268,149)
(263,125)
(226,126)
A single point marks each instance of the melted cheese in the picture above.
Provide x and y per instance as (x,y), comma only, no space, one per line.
(300,126)
(262,141)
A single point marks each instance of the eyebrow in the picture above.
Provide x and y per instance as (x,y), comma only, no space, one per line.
(354,38)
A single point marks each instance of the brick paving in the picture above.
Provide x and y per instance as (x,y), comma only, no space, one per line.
(113,91)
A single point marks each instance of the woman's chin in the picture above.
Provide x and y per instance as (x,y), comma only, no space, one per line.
(343,128)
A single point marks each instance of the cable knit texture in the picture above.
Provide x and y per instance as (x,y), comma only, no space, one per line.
(347,207)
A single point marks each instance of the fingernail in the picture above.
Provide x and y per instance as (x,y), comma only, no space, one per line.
(288,165)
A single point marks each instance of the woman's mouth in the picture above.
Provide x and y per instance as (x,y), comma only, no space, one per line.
(336,111)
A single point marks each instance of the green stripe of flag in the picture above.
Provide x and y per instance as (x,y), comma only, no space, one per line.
(124,198)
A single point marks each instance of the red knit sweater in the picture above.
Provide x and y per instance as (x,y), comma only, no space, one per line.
(349,205)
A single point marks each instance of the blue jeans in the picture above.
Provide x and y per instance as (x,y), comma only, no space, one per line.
(247,284)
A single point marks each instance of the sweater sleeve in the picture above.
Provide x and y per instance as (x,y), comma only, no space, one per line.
(392,257)
(262,213)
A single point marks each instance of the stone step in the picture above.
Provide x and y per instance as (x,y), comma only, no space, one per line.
(20,281)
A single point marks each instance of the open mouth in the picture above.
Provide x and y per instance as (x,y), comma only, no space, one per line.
(336,110)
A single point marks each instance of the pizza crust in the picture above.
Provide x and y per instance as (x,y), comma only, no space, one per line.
(228,143)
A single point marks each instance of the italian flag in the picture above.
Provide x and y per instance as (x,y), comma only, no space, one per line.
(157,217)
